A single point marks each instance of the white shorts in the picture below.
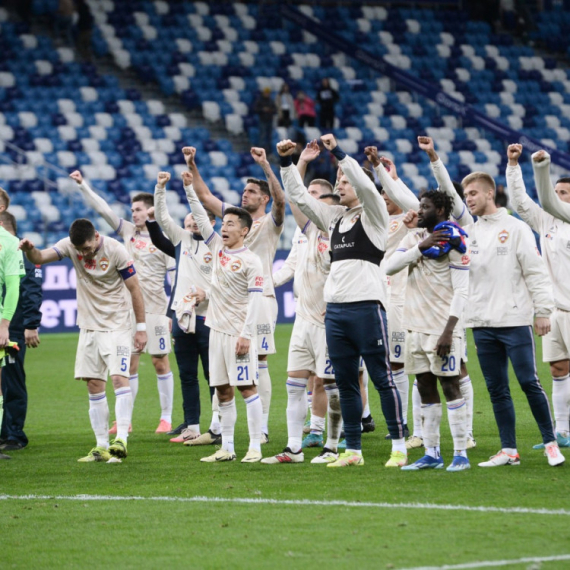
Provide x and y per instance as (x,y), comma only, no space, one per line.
(226,367)
(157,332)
(102,353)
(556,344)
(308,349)
(421,355)
(266,321)
(464,357)
(396,333)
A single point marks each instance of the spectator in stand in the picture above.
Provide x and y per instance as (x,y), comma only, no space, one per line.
(265,109)
(285,107)
(327,97)
(501,197)
(84,29)
(305,109)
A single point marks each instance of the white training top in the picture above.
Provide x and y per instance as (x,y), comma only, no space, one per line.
(509,281)
(349,280)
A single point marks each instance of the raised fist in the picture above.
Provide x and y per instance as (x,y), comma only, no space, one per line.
(310,152)
(371,153)
(513,152)
(329,141)
(426,143)
(26,245)
(285,148)
(258,154)
(539,156)
(162,179)
(77,176)
(411,219)
(150,213)
(189,153)
(389,166)
(187,178)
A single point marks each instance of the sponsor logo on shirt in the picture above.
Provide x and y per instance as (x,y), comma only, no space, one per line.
(90,264)
(465,260)
(503,236)
(207,257)
(322,247)
(224,259)
(235,265)
(38,272)
(104,263)
(502,251)
(186,252)
(139,244)
(259,281)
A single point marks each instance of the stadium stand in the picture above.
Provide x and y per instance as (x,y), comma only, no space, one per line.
(218,56)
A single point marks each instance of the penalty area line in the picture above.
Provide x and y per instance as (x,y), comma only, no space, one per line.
(493,563)
(293,502)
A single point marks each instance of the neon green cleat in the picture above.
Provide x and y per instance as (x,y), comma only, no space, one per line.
(397,459)
(96,454)
(118,448)
(348,459)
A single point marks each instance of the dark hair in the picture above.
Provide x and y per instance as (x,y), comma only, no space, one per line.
(458,189)
(211,215)
(369,174)
(440,200)
(8,219)
(81,231)
(563,180)
(244,216)
(334,197)
(322,182)
(263,186)
(145,197)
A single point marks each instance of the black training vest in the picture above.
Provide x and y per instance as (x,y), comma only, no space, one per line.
(353,244)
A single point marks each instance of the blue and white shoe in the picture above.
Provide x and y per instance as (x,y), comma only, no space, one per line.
(341,445)
(426,462)
(459,463)
(313,440)
(563,441)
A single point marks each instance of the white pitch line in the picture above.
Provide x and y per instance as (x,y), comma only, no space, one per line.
(292,502)
(493,563)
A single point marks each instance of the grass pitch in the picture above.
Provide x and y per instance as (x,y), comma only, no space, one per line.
(175,512)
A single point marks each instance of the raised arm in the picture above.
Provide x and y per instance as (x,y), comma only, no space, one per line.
(459,212)
(38,256)
(394,187)
(198,212)
(277,194)
(96,202)
(203,193)
(546,194)
(159,240)
(310,152)
(287,271)
(523,205)
(169,226)
(320,213)
(373,204)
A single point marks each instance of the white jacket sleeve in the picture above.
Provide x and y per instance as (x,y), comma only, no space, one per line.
(201,218)
(172,230)
(522,204)
(401,258)
(320,213)
(287,271)
(99,205)
(397,190)
(459,212)
(534,273)
(546,194)
(460,283)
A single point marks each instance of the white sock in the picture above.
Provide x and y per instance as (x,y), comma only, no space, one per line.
(194,427)
(215,426)
(335,417)
(296,412)
(457,417)
(254,411)
(317,424)
(366,408)
(357,451)
(561,403)
(264,391)
(400,445)
(309,402)
(134,384)
(417,410)
(431,418)
(466,387)
(99,416)
(228,417)
(123,411)
(165,383)
(403,385)
(510,450)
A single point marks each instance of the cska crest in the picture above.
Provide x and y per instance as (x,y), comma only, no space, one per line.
(235,265)
(207,257)
(104,263)
(503,236)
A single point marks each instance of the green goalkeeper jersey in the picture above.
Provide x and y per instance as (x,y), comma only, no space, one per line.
(11,263)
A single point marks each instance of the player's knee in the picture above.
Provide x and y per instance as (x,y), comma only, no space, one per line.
(451,389)
(161,364)
(560,368)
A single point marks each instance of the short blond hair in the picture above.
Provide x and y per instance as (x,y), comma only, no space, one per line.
(4,198)
(479,176)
